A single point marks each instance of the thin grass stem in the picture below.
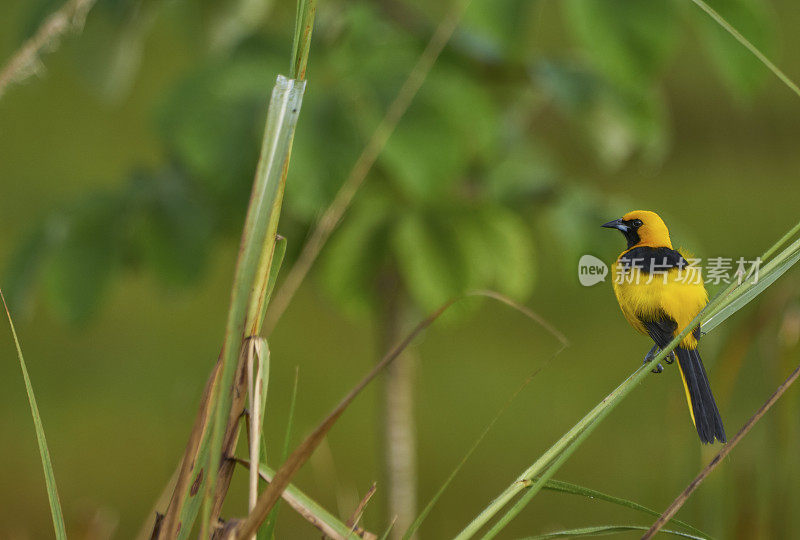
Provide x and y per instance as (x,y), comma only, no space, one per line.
(56,513)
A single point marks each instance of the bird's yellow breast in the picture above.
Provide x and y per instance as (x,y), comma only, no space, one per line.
(650,296)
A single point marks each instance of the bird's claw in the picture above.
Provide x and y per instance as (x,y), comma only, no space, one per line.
(651,354)
(670,359)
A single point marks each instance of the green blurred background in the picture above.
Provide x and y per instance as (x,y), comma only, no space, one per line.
(126,164)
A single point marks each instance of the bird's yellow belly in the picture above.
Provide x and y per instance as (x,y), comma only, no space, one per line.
(651,297)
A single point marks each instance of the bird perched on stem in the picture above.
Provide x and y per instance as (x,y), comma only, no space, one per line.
(660,293)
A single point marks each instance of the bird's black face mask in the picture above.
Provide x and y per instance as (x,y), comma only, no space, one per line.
(628,228)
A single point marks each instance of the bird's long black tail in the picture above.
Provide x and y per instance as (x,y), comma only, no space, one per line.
(705,414)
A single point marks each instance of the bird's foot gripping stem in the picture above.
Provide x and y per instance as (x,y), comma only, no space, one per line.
(652,354)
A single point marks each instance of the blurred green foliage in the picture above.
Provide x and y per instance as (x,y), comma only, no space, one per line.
(454,181)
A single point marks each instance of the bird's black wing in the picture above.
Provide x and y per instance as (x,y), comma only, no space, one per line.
(661,329)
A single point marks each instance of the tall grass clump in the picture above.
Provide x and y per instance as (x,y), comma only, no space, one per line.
(207,464)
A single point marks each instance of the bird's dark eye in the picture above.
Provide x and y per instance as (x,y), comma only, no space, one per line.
(637,222)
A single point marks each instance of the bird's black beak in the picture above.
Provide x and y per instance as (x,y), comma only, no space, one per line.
(617,224)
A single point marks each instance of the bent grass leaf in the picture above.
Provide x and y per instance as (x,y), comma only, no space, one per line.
(630,41)
(602,530)
(574,489)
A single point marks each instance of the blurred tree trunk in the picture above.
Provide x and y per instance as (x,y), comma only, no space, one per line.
(399,440)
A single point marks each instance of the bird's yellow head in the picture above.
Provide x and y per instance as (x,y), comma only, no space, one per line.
(642,228)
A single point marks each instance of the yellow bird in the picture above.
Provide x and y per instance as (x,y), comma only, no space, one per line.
(660,294)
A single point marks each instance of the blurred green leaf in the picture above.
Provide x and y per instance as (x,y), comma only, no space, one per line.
(574,223)
(373,53)
(169,226)
(212,123)
(355,255)
(511,253)
(629,41)
(496,250)
(430,259)
(623,125)
(23,273)
(571,84)
(740,70)
(85,251)
(424,156)
(495,28)
(619,122)
(465,104)
(449,127)
(526,172)
(320,161)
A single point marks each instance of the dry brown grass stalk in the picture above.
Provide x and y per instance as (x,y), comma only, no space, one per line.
(26,60)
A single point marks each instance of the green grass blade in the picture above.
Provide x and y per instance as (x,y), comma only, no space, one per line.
(261,221)
(574,489)
(304,24)
(602,530)
(719,19)
(388,530)
(287,439)
(44,453)
(251,284)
